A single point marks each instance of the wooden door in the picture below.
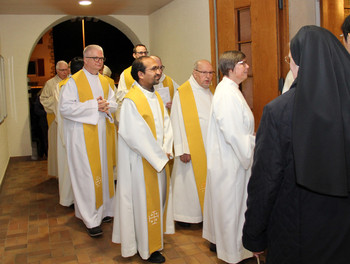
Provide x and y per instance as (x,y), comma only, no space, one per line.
(260,30)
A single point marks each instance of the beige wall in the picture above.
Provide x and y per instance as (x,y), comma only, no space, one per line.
(180,35)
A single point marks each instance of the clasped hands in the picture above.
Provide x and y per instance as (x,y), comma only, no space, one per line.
(102,105)
(185,158)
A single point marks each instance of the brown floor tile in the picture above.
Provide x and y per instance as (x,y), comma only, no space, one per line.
(35,229)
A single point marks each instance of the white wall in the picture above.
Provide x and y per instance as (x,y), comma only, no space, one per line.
(180,35)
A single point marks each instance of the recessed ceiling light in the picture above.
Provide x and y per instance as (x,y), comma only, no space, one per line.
(84,3)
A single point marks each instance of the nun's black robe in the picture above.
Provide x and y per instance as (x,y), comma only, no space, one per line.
(297,226)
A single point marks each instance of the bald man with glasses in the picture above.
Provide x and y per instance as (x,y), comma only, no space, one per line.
(190,117)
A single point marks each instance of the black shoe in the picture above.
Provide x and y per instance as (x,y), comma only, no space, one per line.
(156,257)
(183,224)
(107,219)
(95,231)
(212,247)
(71,206)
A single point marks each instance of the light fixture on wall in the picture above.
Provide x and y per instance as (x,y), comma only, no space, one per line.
(85,3)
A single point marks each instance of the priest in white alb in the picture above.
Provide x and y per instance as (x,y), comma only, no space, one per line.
(86,103)
(143,210)
(47,99)
(189,118)
(230,147)
(66,196)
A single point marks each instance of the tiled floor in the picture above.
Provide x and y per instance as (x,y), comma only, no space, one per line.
(34,228)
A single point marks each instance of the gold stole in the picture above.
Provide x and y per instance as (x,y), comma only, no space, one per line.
(51,117)
(128,78)
(111,83)
(150,174)
(91,138)
(194,138)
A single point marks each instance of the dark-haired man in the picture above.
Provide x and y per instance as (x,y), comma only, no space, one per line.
(143,202)
(346,33)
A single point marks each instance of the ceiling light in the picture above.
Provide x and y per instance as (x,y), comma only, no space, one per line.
(85,3)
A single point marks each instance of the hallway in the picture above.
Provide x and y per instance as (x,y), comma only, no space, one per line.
(34,228)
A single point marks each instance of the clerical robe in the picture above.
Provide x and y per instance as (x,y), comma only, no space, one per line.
(76,114)
(230,146)
(135,142)
(187,206)
(47,99)
(66,196)
(124,85)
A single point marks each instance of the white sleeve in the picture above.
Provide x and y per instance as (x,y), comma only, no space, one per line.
(71,108)
(135,132)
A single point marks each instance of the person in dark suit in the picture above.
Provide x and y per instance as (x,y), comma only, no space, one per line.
(298,205)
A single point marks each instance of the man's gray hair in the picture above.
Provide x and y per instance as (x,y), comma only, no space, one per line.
(60,62)
(88,49)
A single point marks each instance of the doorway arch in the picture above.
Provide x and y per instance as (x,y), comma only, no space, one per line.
(109,21)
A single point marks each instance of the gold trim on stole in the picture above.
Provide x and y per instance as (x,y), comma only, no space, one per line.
(128,78)
(150,174)
(91,138)
(194,138)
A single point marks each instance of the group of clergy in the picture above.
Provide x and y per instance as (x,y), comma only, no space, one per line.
(203,140)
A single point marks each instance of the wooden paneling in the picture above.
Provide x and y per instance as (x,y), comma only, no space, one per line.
(332,15)
(265,54)
(267,51)
(283,38)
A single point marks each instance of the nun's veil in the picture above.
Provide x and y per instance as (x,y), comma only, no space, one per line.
(321,115)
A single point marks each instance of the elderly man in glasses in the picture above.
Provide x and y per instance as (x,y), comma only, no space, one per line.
(86,103)
(47,99)
(189,117)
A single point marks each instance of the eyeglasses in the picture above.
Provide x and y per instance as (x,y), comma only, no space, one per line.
(142,52)
(205,72)
(244,63)
(62,69)
(97,59)
(287,59)
(156,68)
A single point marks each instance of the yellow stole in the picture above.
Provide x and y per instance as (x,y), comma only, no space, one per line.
(128,78)
(150,174)
(51,117)
(91,137)
(111,83)
(63,82)
(194,138)
(168,82)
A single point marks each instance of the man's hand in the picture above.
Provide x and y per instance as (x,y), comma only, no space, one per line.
(185,158)
(168,105)
(102,105)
